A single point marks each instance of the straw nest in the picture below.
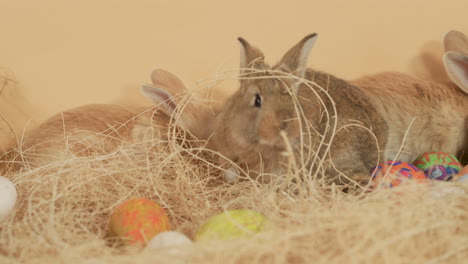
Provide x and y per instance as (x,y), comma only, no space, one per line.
(63,210)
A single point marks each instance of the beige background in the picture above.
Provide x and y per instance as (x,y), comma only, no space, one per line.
(66,53)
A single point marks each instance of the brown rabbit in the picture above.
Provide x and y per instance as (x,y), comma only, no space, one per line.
(290,107)
(101,128)
(431,116)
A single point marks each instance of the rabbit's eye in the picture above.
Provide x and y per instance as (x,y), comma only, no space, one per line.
(258,101)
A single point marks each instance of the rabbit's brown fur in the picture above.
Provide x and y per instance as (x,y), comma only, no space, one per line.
(251,135)
(432,115)
(83,131)
(99,129)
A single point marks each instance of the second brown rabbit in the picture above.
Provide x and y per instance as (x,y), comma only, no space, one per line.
(100,129)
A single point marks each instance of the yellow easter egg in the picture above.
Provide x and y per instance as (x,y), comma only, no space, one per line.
(232,224)
(137,221)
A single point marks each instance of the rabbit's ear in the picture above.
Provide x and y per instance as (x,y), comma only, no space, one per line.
(168,81)
(250,56)
(295,60)
(159,96)
(456,65)
(456,41)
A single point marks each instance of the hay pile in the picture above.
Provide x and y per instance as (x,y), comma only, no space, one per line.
(63,209)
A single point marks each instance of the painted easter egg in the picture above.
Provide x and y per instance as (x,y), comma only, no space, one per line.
(232,224)
(393,173)
(137,221)
(438,165)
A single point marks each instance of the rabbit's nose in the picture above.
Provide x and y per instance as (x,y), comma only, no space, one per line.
(283,125)
(283,118)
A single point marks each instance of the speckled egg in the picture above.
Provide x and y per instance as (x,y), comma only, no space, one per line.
(137,221)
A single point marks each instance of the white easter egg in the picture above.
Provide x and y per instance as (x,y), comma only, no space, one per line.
(171,241)
(8,196)
(463,179)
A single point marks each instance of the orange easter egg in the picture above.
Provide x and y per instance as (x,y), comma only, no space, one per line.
(394,173)
(137,221)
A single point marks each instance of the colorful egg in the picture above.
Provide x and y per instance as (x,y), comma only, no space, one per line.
(137,221)
(232,224)
(438,165)
(393,173)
